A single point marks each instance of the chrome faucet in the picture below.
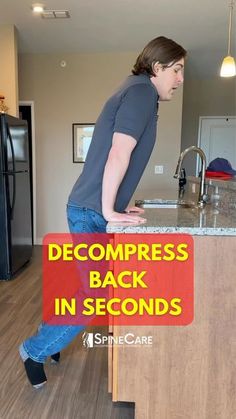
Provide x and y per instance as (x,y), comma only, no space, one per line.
(202,195)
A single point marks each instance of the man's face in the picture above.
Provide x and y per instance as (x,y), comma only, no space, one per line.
(168,79)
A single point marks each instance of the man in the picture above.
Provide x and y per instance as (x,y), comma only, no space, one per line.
(123,139)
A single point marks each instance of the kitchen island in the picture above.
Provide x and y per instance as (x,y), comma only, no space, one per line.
(189,371)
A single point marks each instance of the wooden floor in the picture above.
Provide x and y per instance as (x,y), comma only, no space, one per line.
(76,388)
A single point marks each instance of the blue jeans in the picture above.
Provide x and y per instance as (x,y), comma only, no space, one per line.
(52,339)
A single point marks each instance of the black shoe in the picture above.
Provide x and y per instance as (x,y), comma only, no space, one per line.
(55,358)
(35,373)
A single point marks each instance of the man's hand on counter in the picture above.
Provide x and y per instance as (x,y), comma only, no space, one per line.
(130,215)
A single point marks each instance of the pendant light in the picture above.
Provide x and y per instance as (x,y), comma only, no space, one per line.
(228,68)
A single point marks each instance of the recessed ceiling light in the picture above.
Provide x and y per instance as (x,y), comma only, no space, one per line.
(38,7)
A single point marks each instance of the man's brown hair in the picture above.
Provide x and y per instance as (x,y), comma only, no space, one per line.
(162,50)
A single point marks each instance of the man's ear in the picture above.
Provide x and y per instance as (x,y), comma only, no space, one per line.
(156,67)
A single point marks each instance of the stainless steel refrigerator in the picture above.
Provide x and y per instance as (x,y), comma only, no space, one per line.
(15,197)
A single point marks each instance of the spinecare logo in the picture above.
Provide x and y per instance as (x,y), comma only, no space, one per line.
(87,339)
(91,340)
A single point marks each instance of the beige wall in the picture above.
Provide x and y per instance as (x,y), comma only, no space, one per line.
(209,97)
(9,67)
(76,93)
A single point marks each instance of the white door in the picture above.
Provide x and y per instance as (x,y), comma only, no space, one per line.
(217,138)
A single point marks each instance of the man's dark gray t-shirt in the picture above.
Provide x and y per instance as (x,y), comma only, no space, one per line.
(132,110)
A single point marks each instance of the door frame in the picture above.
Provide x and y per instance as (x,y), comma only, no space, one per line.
(31,104)
(198,168)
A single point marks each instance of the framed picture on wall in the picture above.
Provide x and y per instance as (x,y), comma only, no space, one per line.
(82,136)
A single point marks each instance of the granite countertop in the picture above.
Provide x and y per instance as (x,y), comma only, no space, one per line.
(202,222)
(209,221)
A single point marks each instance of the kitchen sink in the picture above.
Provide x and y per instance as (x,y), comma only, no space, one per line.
(165,203)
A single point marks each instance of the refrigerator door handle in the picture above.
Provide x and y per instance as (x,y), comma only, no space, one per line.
(16,171)
(12,204)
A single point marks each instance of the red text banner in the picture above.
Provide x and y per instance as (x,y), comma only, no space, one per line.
(121,279)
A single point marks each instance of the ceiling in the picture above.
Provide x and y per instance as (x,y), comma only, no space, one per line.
(201,26)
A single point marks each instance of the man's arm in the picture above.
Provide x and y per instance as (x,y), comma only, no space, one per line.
(114,172)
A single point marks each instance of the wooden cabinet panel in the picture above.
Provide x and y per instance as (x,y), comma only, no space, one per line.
(189,372)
